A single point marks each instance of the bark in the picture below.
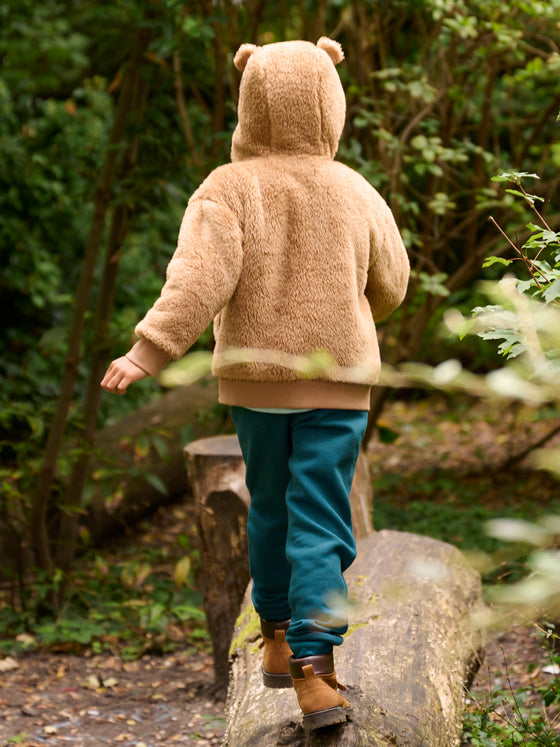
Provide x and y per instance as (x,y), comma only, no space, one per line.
(410,649)
(217,475)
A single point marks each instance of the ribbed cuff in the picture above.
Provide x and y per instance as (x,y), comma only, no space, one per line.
(148,357)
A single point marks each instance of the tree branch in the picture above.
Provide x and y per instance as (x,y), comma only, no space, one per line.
(182,108)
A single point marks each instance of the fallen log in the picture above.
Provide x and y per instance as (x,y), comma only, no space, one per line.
(143,481)
(134,490)
(132,480)
(410,649)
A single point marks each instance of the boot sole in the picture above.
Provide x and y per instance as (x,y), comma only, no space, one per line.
(276,681)
(326,717)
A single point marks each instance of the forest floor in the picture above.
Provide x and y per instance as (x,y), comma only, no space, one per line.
(94,700)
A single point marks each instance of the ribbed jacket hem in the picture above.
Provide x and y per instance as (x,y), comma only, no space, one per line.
(295,394)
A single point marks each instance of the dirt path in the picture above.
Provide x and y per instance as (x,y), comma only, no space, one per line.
(58,699)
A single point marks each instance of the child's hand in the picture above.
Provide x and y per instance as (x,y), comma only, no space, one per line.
(120,374)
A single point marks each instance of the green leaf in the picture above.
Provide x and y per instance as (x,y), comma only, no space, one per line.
(523,286)
(182,570)
(489,261)
(525,196)
(419,142)
(387,435)
(156,612)
(188,612)
(160,445)
(187,370)
(551,293)
(514,176)
(18,738)
(512,351)
(156,482)
(187,434)
(434,284)
(550,237)
(197,28)
(497,334)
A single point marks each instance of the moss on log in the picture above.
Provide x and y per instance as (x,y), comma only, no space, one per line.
(410,649)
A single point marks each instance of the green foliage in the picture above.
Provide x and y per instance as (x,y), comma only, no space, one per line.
(146,602)
(61,75)
(488,726)
(56,107)
(441,106)
(517,716)
(526,317)
(540,258)
(447,506)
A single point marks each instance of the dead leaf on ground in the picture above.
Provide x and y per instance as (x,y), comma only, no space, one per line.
(8,664)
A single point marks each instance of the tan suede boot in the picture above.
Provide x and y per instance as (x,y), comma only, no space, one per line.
(276,655)
(316,688)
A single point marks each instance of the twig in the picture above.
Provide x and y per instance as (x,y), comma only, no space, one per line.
(532,204)
(517,709)
(527,262)
(506,237)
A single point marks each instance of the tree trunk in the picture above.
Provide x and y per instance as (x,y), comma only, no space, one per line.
(39,532)
(410,649)
(66,538)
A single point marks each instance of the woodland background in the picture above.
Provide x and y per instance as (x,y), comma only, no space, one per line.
(111,114)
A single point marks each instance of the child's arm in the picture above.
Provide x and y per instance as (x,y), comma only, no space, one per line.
(389,265)
(201,277)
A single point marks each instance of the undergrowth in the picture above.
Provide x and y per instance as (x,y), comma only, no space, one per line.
(518,716)
(145,600)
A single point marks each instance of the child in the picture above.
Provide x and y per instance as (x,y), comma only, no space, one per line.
(291,253)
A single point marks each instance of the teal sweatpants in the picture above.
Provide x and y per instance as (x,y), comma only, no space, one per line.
(300,468)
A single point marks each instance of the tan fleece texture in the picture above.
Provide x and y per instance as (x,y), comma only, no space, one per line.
(290,252)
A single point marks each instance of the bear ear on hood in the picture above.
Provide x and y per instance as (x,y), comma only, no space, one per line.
(242,55)
(332,48)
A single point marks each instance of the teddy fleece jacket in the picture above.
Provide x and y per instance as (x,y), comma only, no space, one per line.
(292,254)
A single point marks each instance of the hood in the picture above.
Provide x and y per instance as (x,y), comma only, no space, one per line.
(291,100)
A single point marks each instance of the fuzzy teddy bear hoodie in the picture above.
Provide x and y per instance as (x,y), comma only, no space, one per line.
(292,254)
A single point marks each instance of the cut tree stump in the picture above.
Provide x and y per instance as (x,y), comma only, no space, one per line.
(409,652)
(217,476)
(216,473)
